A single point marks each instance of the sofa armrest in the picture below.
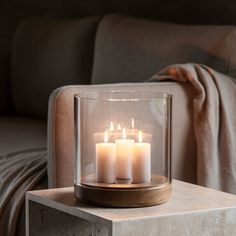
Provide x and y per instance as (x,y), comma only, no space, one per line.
(61,144)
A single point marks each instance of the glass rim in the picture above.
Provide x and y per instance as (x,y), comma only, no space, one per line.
(158,95)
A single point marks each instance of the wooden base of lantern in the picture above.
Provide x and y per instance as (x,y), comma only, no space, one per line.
(123,195)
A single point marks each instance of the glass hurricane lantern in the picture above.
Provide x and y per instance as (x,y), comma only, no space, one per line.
(123,148)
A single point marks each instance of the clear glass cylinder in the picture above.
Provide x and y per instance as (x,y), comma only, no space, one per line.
(123,139)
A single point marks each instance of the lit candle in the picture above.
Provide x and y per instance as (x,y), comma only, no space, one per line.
(105,161)
(124,157)
(113,134)
(141,161)
(133,133)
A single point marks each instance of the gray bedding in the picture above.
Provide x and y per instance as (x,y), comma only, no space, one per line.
(19,172)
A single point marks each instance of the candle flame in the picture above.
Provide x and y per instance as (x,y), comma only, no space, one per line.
(119,127)
(111,126)
(140,136)
(106,136)
(132,123)
(124,133)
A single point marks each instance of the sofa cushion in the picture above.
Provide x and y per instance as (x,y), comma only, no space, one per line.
(20,133)
(133,49)
(49,53)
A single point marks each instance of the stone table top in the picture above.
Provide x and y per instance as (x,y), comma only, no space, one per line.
(186,199)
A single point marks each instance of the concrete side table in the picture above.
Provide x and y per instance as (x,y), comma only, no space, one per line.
(192,210)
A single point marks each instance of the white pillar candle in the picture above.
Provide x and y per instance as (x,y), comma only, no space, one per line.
(124,152)
(141,162)
(105,161)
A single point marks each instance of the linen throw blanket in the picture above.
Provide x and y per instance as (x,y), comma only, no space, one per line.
(214,117)
(19,172)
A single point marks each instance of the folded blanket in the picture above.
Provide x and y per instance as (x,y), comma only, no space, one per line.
(19,172)
(214,117)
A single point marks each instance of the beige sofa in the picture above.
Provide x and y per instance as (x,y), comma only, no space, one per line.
(131,49)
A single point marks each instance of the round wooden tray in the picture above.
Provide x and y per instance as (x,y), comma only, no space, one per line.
(156,192)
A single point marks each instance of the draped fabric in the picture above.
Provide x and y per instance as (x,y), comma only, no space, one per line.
(214,117)
(19,172)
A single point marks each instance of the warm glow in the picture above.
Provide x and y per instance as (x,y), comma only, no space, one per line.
(106,136)
(124,133)
(140,136)
(132,123)
(118,127)
(111,127)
